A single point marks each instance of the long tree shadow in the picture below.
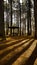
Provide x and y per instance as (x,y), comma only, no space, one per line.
(7,45)
(32,58)
(14,58)
(8,51)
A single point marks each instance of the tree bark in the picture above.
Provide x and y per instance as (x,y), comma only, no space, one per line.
(11,19)
(2,30)
(29,17)
(35,15)
(20,15)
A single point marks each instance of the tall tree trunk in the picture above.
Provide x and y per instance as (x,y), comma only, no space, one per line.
(28,21)
(29,17)
(11,19)
(2,31)
(35,15)
(20,18)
